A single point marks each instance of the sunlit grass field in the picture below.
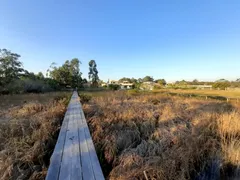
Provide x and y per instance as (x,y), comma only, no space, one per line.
(29,126)
(224,93)
(136,134)
(167,137)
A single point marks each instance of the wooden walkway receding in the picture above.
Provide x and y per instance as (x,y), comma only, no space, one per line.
(74,156)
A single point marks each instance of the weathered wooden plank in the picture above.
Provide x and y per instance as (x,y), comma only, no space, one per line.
(76,172)
(92,152)
(85,158)
(71,166)
(56,158)
(65,170)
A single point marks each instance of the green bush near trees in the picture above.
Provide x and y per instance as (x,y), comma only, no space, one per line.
(221,85)
(68,75)
(84,98)
(15,79)
(114,87)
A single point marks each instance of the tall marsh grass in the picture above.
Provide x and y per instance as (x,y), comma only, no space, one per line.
(166,137)
(28,136)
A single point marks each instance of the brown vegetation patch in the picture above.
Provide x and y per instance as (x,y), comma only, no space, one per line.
(167,137)
(27,140)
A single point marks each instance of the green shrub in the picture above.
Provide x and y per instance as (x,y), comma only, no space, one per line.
(221,85)
(25,85)
(34,86)
(85,98)
(133,92)
(52,83)
(113,87)
(155,87)
(15,87)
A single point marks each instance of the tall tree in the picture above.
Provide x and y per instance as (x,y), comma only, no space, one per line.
(68,74)
(10,66)
(140,80)
(75,72)
(84,81)
(148,78)
(40,75)
(93,73)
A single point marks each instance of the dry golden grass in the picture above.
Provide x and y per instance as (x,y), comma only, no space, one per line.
(28,137)
(229,124)
(224,93)
(167,137)
(9,103)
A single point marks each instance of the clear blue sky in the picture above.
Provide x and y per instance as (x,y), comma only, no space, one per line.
(165,39)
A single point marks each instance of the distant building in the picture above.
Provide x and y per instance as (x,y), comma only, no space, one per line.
(104,84)
(123,85)
(126,85)
(113,82)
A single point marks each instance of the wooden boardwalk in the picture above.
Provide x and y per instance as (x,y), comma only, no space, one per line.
(74,156)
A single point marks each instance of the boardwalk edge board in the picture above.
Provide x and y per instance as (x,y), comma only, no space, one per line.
(74,156)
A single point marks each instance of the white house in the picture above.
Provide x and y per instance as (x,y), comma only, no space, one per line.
(104,84)
(113,82)
(126,85)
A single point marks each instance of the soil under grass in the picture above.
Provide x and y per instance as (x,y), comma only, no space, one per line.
(164,136)
(28,133)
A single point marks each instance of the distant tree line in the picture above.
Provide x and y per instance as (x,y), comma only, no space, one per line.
(141,80)
(161,83)
(137,83)
(15,79)
(219,84)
